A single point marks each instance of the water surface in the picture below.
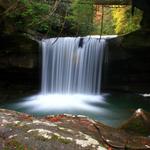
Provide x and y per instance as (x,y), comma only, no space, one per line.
(109,108)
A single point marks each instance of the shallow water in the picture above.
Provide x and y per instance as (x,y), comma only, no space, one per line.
(109,108)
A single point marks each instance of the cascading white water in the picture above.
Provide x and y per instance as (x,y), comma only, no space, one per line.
(72,65)
(71,78)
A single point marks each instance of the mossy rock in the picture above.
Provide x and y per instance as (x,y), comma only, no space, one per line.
(61,140)
(13,144)
(139,123)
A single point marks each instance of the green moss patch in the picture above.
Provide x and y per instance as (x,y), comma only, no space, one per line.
(14,144)
(61,140)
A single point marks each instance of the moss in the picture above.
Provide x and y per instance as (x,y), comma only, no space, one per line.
(53,138)
(13,144)
(64,141)
(137,126)
(61,140)
(19,126)
(41,138)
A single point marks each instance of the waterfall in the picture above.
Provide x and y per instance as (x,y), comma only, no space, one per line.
(72,65)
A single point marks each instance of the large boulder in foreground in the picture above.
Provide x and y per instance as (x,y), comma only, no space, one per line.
(69,132)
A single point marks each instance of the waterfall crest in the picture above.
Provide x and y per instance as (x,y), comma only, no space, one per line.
(72,65)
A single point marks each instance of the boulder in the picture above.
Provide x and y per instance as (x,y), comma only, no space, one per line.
(139,123)
(69,132)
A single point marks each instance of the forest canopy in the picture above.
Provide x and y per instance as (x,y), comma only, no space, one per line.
(63,18)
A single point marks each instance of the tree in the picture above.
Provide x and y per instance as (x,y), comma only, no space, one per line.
(123,20)
(81,16)
(63,18)
(42,16)
(103,20)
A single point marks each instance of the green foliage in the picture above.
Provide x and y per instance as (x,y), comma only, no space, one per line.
(81,16)
(13,144)
(108,23)
(30,15)
(118,20)
(123,20)
(61,140)
(74,18)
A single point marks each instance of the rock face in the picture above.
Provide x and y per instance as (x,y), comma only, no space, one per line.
(18,51)
(127,63)
(19,55)
(69,132)
(19,65)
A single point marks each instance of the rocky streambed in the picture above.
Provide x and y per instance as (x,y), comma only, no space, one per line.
(20,131)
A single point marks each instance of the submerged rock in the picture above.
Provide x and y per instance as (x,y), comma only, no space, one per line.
(69,132)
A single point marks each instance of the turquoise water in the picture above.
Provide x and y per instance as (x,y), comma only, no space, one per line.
(110,108)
